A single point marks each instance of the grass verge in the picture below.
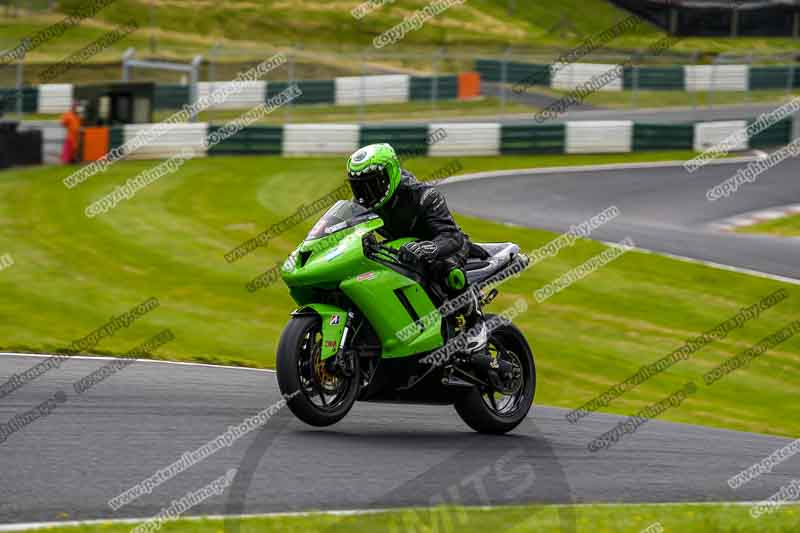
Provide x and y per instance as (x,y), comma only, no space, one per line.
(782,227)
(687,518)
(71,273)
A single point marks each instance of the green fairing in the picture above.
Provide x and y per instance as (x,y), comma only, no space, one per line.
(333,321)
(338,261)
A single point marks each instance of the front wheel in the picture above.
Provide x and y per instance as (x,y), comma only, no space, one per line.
(488,411)
(325,397)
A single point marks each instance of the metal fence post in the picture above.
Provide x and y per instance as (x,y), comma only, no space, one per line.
(693,92)
(290,74)
(362,89)
(790,81)
(634,78)
(504,79)
(20,82)
(435,79)
(195,78)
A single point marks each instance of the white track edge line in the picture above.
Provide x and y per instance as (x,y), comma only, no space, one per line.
(587,168)
(712,264)
(108,358)
(355,512)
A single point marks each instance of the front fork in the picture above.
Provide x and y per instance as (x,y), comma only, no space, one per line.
(343,361)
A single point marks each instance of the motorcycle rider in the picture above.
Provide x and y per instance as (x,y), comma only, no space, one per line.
(410,208)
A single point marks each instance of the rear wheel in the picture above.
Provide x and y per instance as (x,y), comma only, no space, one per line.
(325,397)
(488,411)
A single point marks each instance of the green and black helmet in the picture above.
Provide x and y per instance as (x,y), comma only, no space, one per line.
(374,174)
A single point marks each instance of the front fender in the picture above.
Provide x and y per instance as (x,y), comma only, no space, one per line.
(333,322)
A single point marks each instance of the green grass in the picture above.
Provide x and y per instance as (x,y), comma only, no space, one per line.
(327,26)
(783,227)
(646,99)
(418,110)
(316,114)
(72,273)
(686,518)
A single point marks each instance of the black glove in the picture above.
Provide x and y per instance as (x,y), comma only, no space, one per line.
(421,251)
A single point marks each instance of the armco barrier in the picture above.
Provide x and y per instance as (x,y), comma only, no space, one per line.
(422,88)
(252,140)
(654,79)
(353,90)
(466,139)
(458,139)
(171,96)
(607,136)
(171,142)
(672,78)
(54,97)
(539,139)
(710,134)
(30,100)
(320,139)
(409,140)
(314,91)
(776,135)
(663,137)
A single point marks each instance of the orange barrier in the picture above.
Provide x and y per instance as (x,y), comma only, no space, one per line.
(469,85)
(95,143)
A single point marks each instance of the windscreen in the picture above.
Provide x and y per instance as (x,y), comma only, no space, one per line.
(343,214)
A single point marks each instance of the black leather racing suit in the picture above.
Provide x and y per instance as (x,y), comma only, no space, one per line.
(419,210)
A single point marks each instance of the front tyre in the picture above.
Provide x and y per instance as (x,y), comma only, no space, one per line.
(324,397)
(488,411)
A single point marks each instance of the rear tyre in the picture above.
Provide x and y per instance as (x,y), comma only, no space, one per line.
(488,411)
(324,397)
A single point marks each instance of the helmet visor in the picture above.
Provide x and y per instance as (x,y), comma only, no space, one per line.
(370,186)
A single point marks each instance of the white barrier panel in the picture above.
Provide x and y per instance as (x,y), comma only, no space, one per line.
(465,139)
(708,134)
(53,136)
(249,93)
(54,97)
(170,142)
(376,89)
(313,139)
(573,75)
(717,78)
(607,136)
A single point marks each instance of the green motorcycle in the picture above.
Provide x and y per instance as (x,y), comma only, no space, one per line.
(368,324)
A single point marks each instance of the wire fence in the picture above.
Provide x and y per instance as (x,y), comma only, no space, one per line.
(698,79)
